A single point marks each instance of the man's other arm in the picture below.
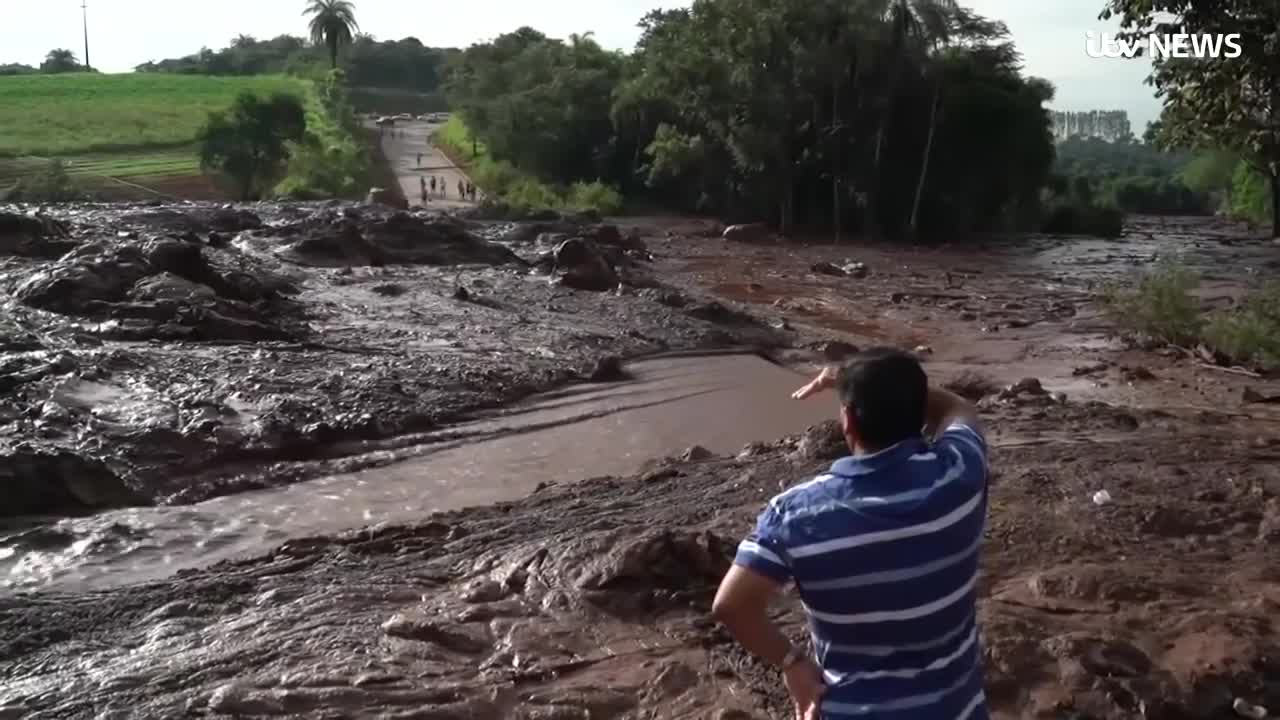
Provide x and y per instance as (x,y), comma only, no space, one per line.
(944,408)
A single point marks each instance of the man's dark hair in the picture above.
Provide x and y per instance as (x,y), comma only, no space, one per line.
(885,390)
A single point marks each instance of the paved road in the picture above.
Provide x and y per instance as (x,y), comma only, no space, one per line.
(408,144)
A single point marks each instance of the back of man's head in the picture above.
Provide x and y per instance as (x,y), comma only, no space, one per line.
(884,390)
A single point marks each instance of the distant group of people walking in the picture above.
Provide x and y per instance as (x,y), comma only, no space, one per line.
(437,187)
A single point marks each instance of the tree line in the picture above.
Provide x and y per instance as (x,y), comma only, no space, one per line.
(404,64)
(57,61)
(897,117)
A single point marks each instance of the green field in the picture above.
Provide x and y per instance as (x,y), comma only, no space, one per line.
(81,114)
(102,173)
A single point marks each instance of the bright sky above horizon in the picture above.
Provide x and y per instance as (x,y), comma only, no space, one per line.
(126,33)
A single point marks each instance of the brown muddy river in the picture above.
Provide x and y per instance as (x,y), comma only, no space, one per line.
(720,402)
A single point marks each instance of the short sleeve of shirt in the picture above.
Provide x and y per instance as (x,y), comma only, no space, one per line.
(764,550)
(971,445)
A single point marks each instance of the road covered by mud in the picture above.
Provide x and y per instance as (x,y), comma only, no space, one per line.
(589,600)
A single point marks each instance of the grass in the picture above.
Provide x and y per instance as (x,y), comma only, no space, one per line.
(83,114)
(1162,306)
(93,173)
(511,186)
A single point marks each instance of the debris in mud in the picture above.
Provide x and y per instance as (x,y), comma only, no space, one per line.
(1090,369)
(824,441)
(1249,396)
(608,369)
(35,236)
(1025,386)
(922,350)
(391,289)
(849,269)
(1136,373)
(696,453)
(972,385)
(836,350)
(582,266)
(749,233)
(389,198)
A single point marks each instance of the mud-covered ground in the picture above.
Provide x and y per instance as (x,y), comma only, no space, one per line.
(590,600)
(172,353)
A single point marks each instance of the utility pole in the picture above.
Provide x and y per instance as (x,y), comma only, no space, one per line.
(84,11)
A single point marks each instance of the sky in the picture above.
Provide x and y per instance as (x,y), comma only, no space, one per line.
(124,33)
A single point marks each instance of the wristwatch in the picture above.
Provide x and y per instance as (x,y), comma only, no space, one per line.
(793,656)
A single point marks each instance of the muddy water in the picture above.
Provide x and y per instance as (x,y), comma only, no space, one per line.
(720,402)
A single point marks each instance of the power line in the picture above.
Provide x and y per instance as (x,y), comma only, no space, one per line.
(84,11)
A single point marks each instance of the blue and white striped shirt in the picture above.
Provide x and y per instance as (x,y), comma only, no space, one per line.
(883,549)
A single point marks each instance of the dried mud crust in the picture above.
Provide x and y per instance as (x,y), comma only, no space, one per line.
(591,600)
(171,353)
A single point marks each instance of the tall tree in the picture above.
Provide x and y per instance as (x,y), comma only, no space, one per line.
(1223,102)
(910,25)
(941,25)
(333,24)
(60,61)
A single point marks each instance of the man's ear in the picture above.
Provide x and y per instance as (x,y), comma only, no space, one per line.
(849,424)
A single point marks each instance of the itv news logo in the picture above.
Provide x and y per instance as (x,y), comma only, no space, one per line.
(1160,47)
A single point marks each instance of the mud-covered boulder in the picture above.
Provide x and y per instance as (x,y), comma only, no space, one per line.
(338,243)
(34,482)
(231,220)
(167,287)
(87,275)
(383,196)
(747,233)
(582,266)
(180,258)
(382,239)
(34,236)
(658,559)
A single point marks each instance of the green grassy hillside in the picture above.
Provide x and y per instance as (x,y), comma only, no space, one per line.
(77,114)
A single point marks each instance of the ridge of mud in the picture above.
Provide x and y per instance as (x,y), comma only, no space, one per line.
(171,353)
(591,600)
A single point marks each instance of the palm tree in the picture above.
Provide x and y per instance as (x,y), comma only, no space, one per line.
(333,23)
(60,61)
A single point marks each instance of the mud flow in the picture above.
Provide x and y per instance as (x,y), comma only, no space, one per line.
(337,461)
(691,405)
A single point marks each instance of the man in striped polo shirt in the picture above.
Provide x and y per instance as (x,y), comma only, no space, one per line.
(883,549)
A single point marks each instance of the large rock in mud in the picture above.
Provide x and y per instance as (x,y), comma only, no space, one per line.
(583,266)
(34,483)
(343,240)
(91,273)
(33,236)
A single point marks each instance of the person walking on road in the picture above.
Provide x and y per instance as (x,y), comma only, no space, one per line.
(433,184)
(419,159)
(883,550)
(423,182)
(462,190)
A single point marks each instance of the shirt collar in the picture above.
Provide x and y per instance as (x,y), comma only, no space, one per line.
(892,455)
